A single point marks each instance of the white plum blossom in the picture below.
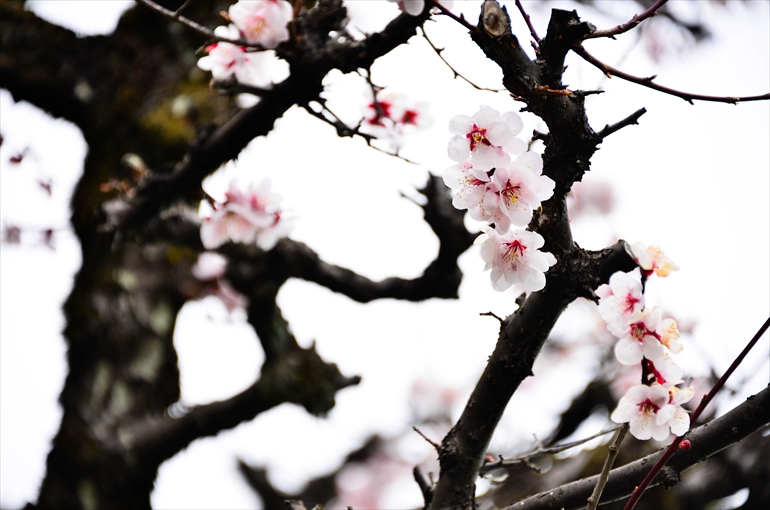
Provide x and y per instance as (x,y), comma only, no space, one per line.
(251,217)
(673,414)
(470,185)
(639,408)
(515,258)
(390,117)
(646,336)
(262,22)
(488,138)
(652,259)
(661,366)
(519,189)
(226,59)
(619,301)
(653,411)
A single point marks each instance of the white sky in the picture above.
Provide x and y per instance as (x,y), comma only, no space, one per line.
(693,179)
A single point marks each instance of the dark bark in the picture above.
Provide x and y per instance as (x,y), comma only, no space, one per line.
(569,146)
(137,254)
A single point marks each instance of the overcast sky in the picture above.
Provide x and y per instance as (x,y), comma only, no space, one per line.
(692,179)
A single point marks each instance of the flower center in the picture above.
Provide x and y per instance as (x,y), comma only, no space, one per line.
(648,408)
(477,136)
(256,27)
(511,193)
(513,252)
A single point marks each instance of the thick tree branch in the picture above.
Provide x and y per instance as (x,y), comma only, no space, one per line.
(706,440)
(308,68)
(521,337)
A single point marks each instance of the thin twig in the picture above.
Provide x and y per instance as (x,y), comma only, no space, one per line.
(529,23)
(631,24)
(432,443)
(182,7)
(647,82)
(456,73)
(639,490)
(491,314)
(539,452)
(631,120)
(345,131)
(593,500)
(460,19)
(176,16)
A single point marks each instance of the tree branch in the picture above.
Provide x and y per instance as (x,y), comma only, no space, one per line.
(631,120)
(648,82)
(309,67)
(706,441)
(631,24)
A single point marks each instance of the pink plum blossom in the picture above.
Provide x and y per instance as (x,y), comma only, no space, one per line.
(515,258)
(652,259)
(654,411)
(262,22)
(488,138)
(252,217)
(620,300)
(518,189)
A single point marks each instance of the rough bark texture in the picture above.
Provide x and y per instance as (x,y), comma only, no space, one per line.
(138,245)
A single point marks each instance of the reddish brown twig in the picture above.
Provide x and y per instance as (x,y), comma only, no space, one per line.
(648,82)
(631,24)
(638,491)
(529,22)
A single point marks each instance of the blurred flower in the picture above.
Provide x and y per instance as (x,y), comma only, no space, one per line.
(488,138)
(515,258)
(252,217)
(209,266)
(262,22)
(226,61)
(415,7)
(390,117)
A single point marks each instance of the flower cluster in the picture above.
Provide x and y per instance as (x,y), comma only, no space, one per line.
(654,409)
(262,23)
(390,117)
(496,189)
(250,217)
